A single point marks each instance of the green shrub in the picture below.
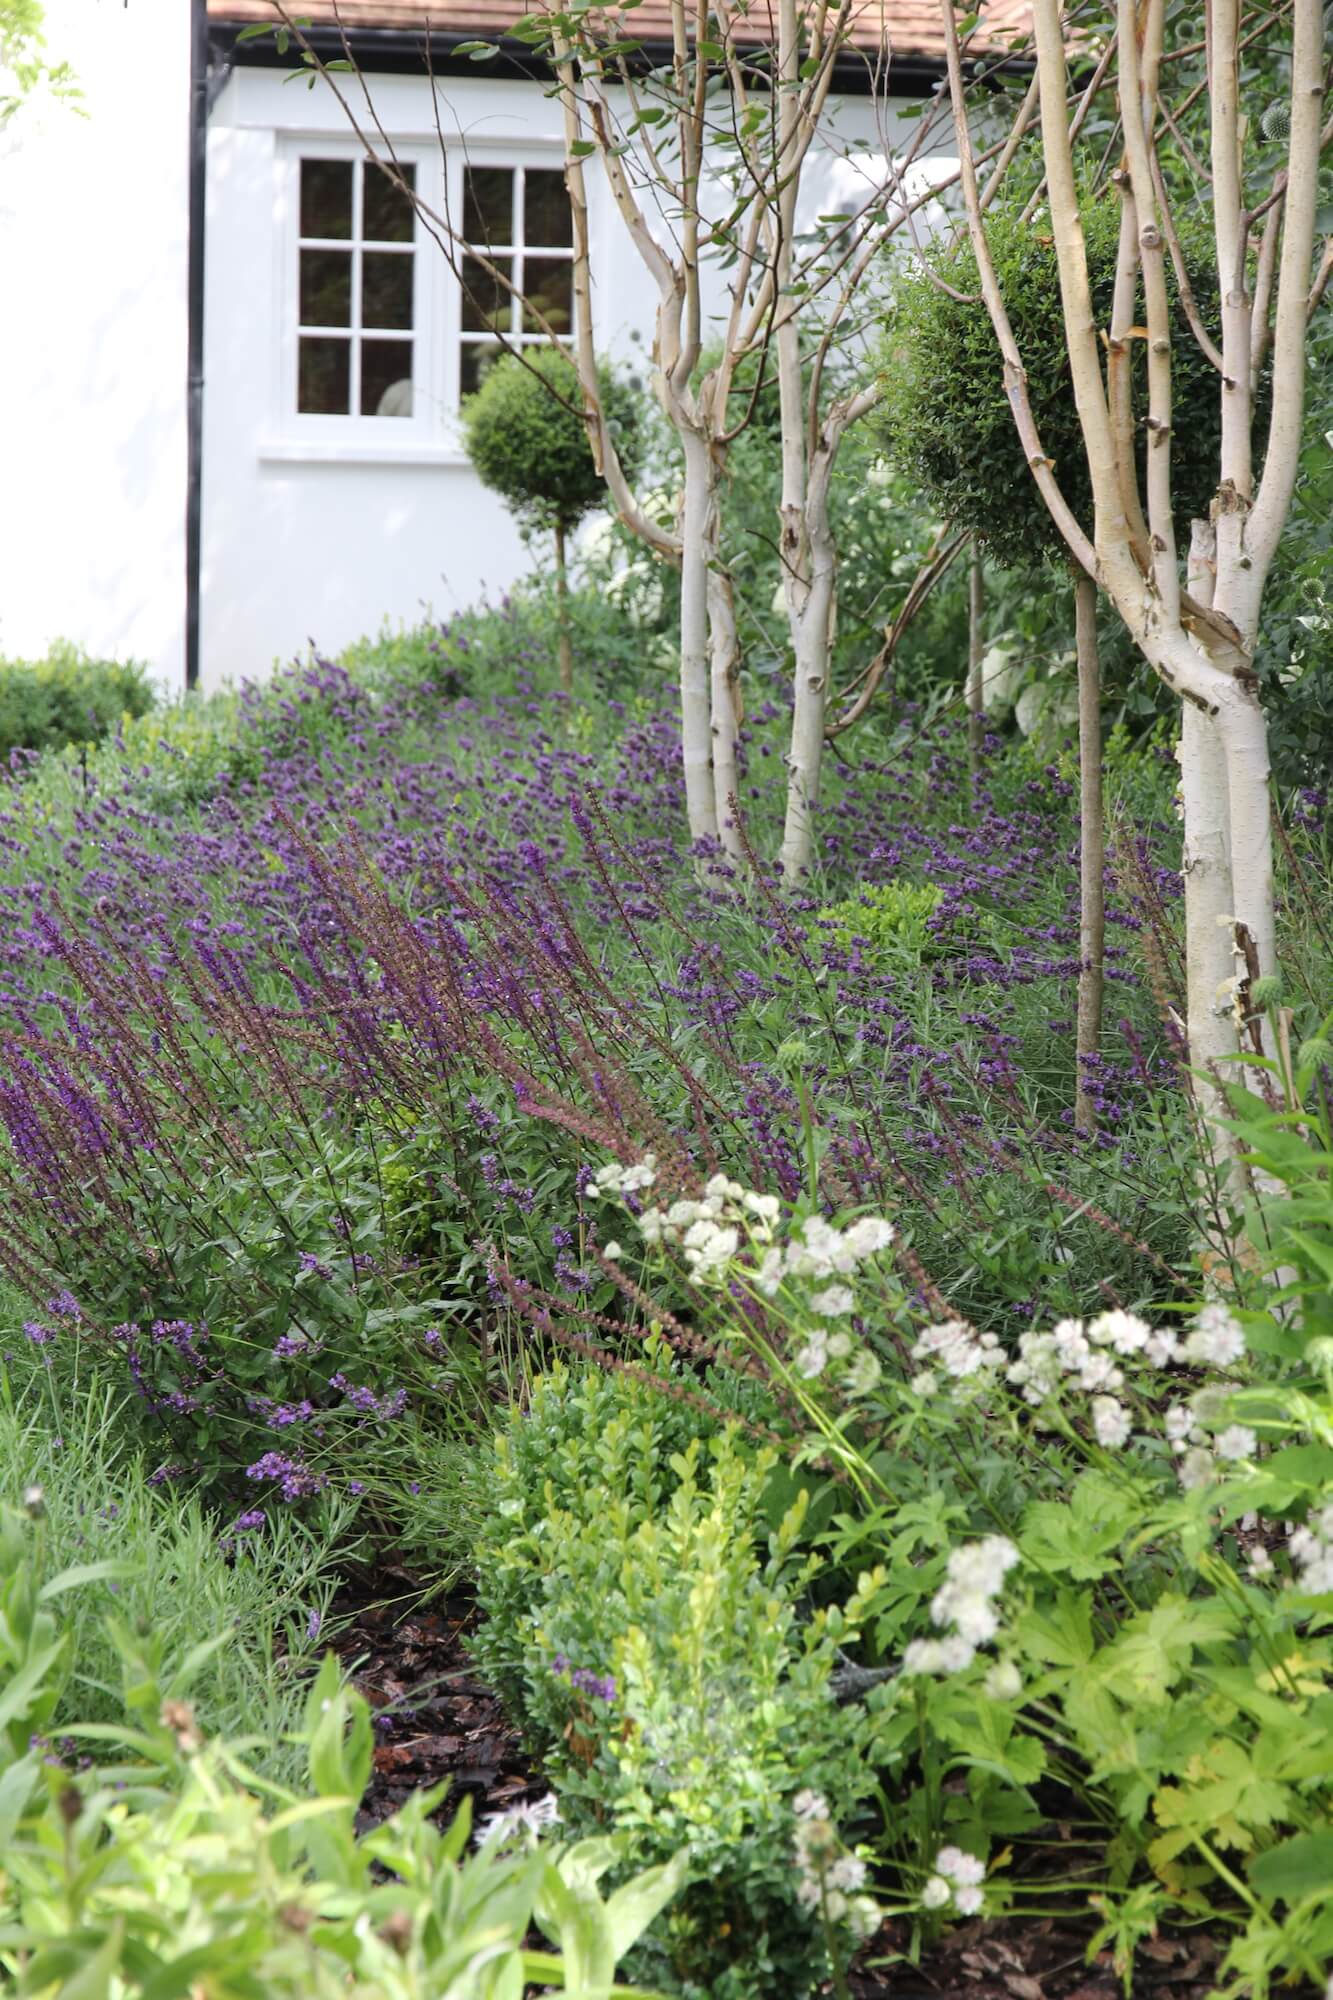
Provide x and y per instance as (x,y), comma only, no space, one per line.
(175,1869)
(945,417)
(67,698)
(890,919)
(528,441)
(655,1638)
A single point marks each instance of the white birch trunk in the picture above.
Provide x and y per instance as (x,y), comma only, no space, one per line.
(1092,845)
(698,538)
(726,713)
(976,653)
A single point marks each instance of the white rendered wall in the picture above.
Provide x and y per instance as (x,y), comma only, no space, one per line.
(299,545)
(93,247)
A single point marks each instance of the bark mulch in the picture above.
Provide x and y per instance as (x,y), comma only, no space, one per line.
(435,1718)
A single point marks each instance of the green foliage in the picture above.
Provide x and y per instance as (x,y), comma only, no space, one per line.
(67,698)
(646,1620)
(890,919)
(176,1868)
(945,418)
(1158,1601)
(23,64)
(167,1568)
(528,441)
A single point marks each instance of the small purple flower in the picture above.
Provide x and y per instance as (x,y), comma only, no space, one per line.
(312,1625)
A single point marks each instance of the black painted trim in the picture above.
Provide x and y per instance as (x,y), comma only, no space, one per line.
(400,51)
(194,406)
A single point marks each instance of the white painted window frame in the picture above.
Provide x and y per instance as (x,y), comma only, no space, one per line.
(431,434)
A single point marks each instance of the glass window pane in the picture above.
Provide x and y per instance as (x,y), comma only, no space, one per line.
(386,215)
(547,222)
(324,385)
(386,289)
(548,286)
(326,197)
(326,288)
(488,205)
(487,304)
(386,378)
(476,360)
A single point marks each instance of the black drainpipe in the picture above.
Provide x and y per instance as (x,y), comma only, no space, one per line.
(195,311)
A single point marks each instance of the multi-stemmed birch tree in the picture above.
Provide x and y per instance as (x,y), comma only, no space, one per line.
(1193,614)
(706,159)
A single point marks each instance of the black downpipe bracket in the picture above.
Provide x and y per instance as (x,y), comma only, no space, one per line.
(195,338)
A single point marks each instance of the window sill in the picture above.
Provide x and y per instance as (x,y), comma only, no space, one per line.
(363,451)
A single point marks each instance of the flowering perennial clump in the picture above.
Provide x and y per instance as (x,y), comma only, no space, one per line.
(1311,1549)
(965,1604)
(957,1880)
(829,1875)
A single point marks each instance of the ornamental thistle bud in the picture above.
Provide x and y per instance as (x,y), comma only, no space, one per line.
(1267,992)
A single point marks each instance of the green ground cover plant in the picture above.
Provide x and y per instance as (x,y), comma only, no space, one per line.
(67,698)
(174,1865)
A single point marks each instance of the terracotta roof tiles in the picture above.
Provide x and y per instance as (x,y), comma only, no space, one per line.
(904,27)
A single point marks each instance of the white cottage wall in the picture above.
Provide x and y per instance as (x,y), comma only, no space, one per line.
(93,251)
(309,537)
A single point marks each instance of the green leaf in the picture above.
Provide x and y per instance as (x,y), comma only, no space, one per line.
(1295,1868)
(639,1903)
(81,1573)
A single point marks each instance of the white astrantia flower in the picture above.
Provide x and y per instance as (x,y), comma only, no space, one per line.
(1237,1441)
(766,1206)
(1311,1550)
(720,1185)
(612,1252)
(1110,1422)
(528,1820)
(839,1346)
(1196,1468)
(809,1804)
(868,1236)
(641,1176)
(863,1374)
(847,1873)
(1259,1562)
(954,1347)
(936,1893)
(1178,1423)
(924,1384)
(1162,1346)
(833,1301)
(1124,1331)
(957,1866)
(1100,1372)
(1216,1339)
(813,1356)
(969,1901)
(769,1275)
(1004,1682)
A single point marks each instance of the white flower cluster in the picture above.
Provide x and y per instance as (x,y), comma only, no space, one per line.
(714,1230)
(1189,1431)
(828,1874)
(710,1230)
(615,1179)
(1312,1552)
(958,1351)
(818,1250)
(1085,1355)
(957,1879)
(965,1602)
(523,1823)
